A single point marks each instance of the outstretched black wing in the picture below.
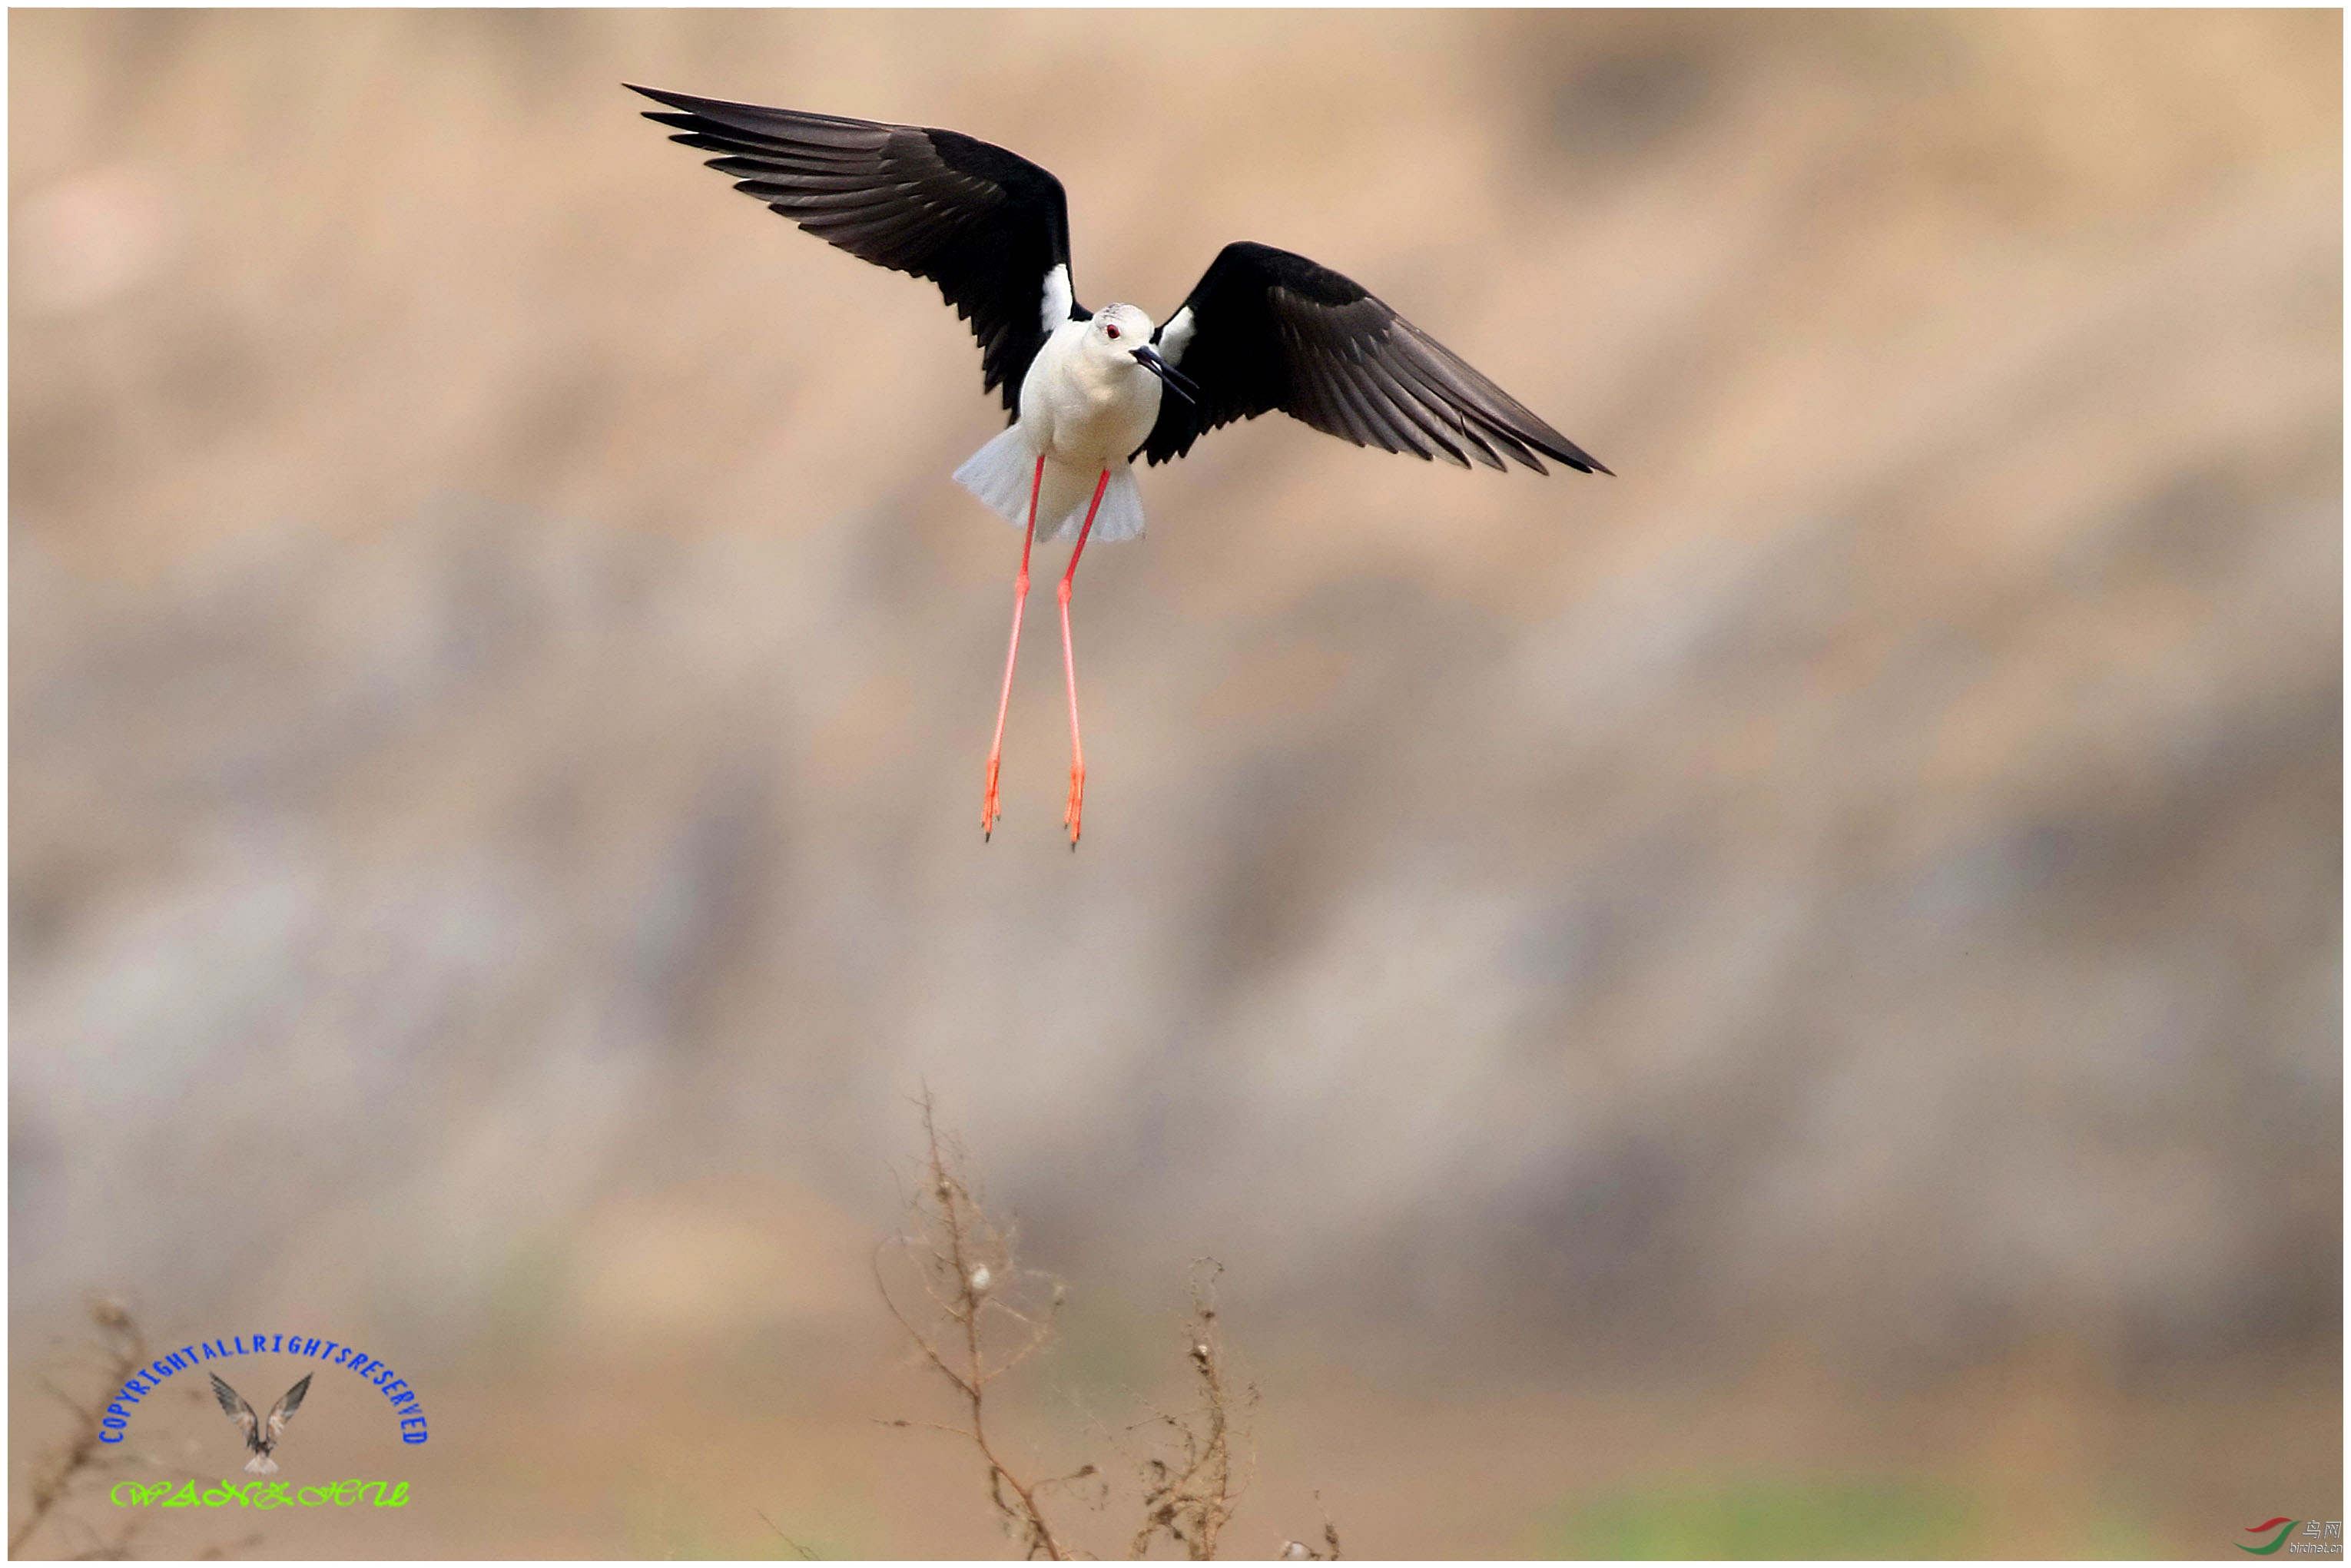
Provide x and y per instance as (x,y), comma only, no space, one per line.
(1268,329)
(990,228)
(287,1403)
(232,1404)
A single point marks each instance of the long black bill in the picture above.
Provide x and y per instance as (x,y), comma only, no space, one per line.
(1148,358)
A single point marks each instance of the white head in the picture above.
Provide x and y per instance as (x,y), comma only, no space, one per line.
(1121,333)
(1118,331)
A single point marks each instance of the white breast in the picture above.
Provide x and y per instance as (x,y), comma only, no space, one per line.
(1086,404)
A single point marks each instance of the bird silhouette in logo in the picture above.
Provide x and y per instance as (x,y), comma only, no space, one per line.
(260,1435)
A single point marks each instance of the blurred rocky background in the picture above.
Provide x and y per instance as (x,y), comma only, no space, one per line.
(1789,999)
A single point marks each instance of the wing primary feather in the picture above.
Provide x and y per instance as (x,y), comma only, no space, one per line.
(1471,429)
(982,224)
(1391,409)
(1428,419)
(233,1406)
(1507,415)
(1368,417)
(1331,373)
(1440,373)
(1266,329)
(1349,371)
(287,1403)
(1313,386)
(1310,395)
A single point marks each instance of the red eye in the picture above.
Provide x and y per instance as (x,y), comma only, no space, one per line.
(1112,330)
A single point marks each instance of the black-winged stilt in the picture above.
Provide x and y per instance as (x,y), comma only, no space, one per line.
(1262,330)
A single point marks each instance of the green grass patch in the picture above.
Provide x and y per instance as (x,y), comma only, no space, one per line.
(1768,1519)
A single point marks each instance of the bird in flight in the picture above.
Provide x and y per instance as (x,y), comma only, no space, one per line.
(260,1435)
(1088,392)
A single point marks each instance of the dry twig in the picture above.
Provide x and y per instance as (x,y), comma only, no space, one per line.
(981,1314)
(986,1315)
(806,1555)
(1190,1496)
(122,1351)
(1299,1551)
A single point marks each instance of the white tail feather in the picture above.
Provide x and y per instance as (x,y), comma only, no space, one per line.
(1002,472)
(1120,517)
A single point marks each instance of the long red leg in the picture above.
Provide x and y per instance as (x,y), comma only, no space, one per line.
(1069,665)
(988,814)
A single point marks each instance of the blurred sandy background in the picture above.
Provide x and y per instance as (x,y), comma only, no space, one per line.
(1789,999)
